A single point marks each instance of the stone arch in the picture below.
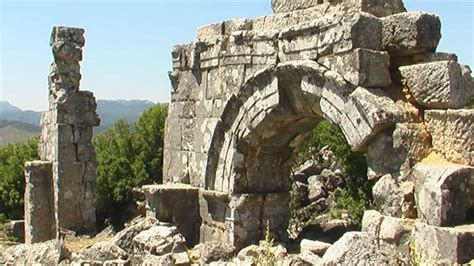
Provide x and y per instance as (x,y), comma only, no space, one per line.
(258,139)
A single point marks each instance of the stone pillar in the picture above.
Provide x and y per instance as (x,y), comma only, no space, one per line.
(39,211)
(66,138)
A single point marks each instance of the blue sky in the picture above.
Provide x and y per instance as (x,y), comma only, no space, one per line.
(127,53)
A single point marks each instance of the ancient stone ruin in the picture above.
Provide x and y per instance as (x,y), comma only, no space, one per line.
(247,92)
(60,189)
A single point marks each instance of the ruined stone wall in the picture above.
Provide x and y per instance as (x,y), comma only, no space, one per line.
(246,93)
(66,137)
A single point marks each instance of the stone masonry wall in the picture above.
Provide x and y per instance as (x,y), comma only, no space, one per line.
(66,137)
(247,92)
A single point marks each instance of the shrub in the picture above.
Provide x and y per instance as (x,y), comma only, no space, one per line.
(12,179)
(357,195)
(128,157)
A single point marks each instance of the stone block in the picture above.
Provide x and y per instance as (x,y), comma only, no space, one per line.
(354,248)
(367,113)
(237,25)
(394,197)
(252,212)
(371,222)
(39,212)
(441,193)
(414,139)
(210,32)
(16,229)
(176,204)
(410,33)
(452,132)
(379,8)
(382,157)
(439,85)
(316,247)
(441,245)
(361,67)
(395,231)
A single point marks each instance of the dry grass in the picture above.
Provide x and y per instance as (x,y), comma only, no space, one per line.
(75,244)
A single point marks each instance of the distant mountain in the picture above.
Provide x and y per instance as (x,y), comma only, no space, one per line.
(6,107)
(14,131)
(109,111)
(17,125)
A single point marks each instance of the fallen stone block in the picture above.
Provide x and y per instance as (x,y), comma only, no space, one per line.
(394,197)
(441,245)
(46,253)
(410,33)
(355,248)
(452,132)
(439,85)
(159,240)
(441,193)
(316,247)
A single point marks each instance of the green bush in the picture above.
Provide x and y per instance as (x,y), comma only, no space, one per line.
(128,157)
(12,179)
(357,195)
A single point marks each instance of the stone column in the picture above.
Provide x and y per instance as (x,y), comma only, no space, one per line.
(40,224)
(67,135)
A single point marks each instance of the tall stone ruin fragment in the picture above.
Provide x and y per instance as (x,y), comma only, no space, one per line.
(60,189)
(247,92)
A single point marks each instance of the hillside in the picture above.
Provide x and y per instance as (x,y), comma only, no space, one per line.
(18,125)
(14,131)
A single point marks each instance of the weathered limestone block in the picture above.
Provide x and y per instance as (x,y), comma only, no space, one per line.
(439,85)
(67,43)
(414,139)
(252,212)
(177,204)
(441,245)
(159,240)
(311,40)
(51,252)
(395,197)
(382,157)
(355,248)
(210,32)
(367,113)
(361,67)
(453,134)
(316,247)
(442,193)
(410,33)
(379,8)
(39,211)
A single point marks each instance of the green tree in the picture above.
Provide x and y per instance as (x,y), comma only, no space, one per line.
(128,157)
(149,141)
(357,194)
(12,179)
